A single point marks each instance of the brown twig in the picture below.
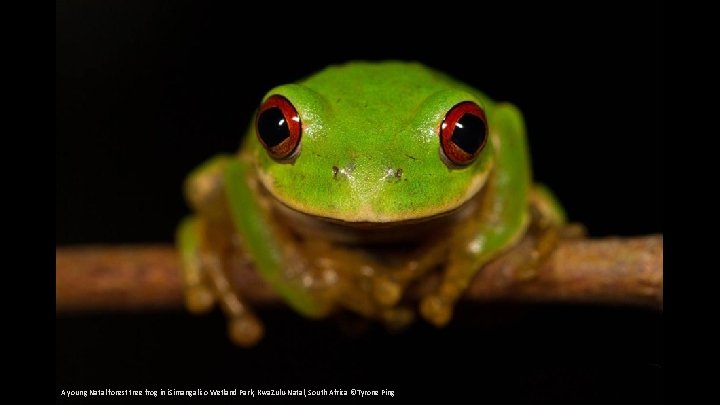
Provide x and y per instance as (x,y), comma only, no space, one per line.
(626,271)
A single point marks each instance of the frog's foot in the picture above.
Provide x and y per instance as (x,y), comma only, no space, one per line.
(375,297)
(245,331)
(387,292)
(199,299)
(573,231)
(437,309)
(244,328)
(206,283)
(546,228)
(388,288)
(545,242)
(198,295)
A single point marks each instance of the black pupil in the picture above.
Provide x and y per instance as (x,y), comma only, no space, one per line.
(272,127)
(469,133)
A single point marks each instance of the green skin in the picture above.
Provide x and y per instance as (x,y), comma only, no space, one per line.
(370,158)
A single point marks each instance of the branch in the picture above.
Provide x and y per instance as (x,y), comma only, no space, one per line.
(614,271)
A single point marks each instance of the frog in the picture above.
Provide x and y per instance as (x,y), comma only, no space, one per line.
(352,184)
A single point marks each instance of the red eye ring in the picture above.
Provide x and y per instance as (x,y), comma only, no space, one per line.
(463,133)
(278,128)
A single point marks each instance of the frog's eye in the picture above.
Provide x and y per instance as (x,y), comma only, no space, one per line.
(463,133)
(278,127)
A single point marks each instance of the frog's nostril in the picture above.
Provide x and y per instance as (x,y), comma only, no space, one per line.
(342,172)
(392,174)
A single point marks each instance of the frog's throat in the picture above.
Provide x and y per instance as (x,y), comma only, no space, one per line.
(407,230)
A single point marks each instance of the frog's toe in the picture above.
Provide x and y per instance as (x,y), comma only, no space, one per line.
(573,231)
(245,331)
(199,299)
(387,293)
(436,310)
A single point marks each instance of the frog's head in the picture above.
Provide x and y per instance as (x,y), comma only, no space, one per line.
(373,143)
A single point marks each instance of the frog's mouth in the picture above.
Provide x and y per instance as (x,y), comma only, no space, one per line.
(410,230)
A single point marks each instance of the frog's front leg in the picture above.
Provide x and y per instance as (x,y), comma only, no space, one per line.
(207,244)
(500,220)
(313,277)
(274,250)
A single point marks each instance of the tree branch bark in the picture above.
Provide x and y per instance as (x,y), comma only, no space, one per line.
(609,271)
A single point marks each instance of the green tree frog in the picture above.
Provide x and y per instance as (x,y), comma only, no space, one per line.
(354,183)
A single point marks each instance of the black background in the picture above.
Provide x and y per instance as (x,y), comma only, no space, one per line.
(145,91)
